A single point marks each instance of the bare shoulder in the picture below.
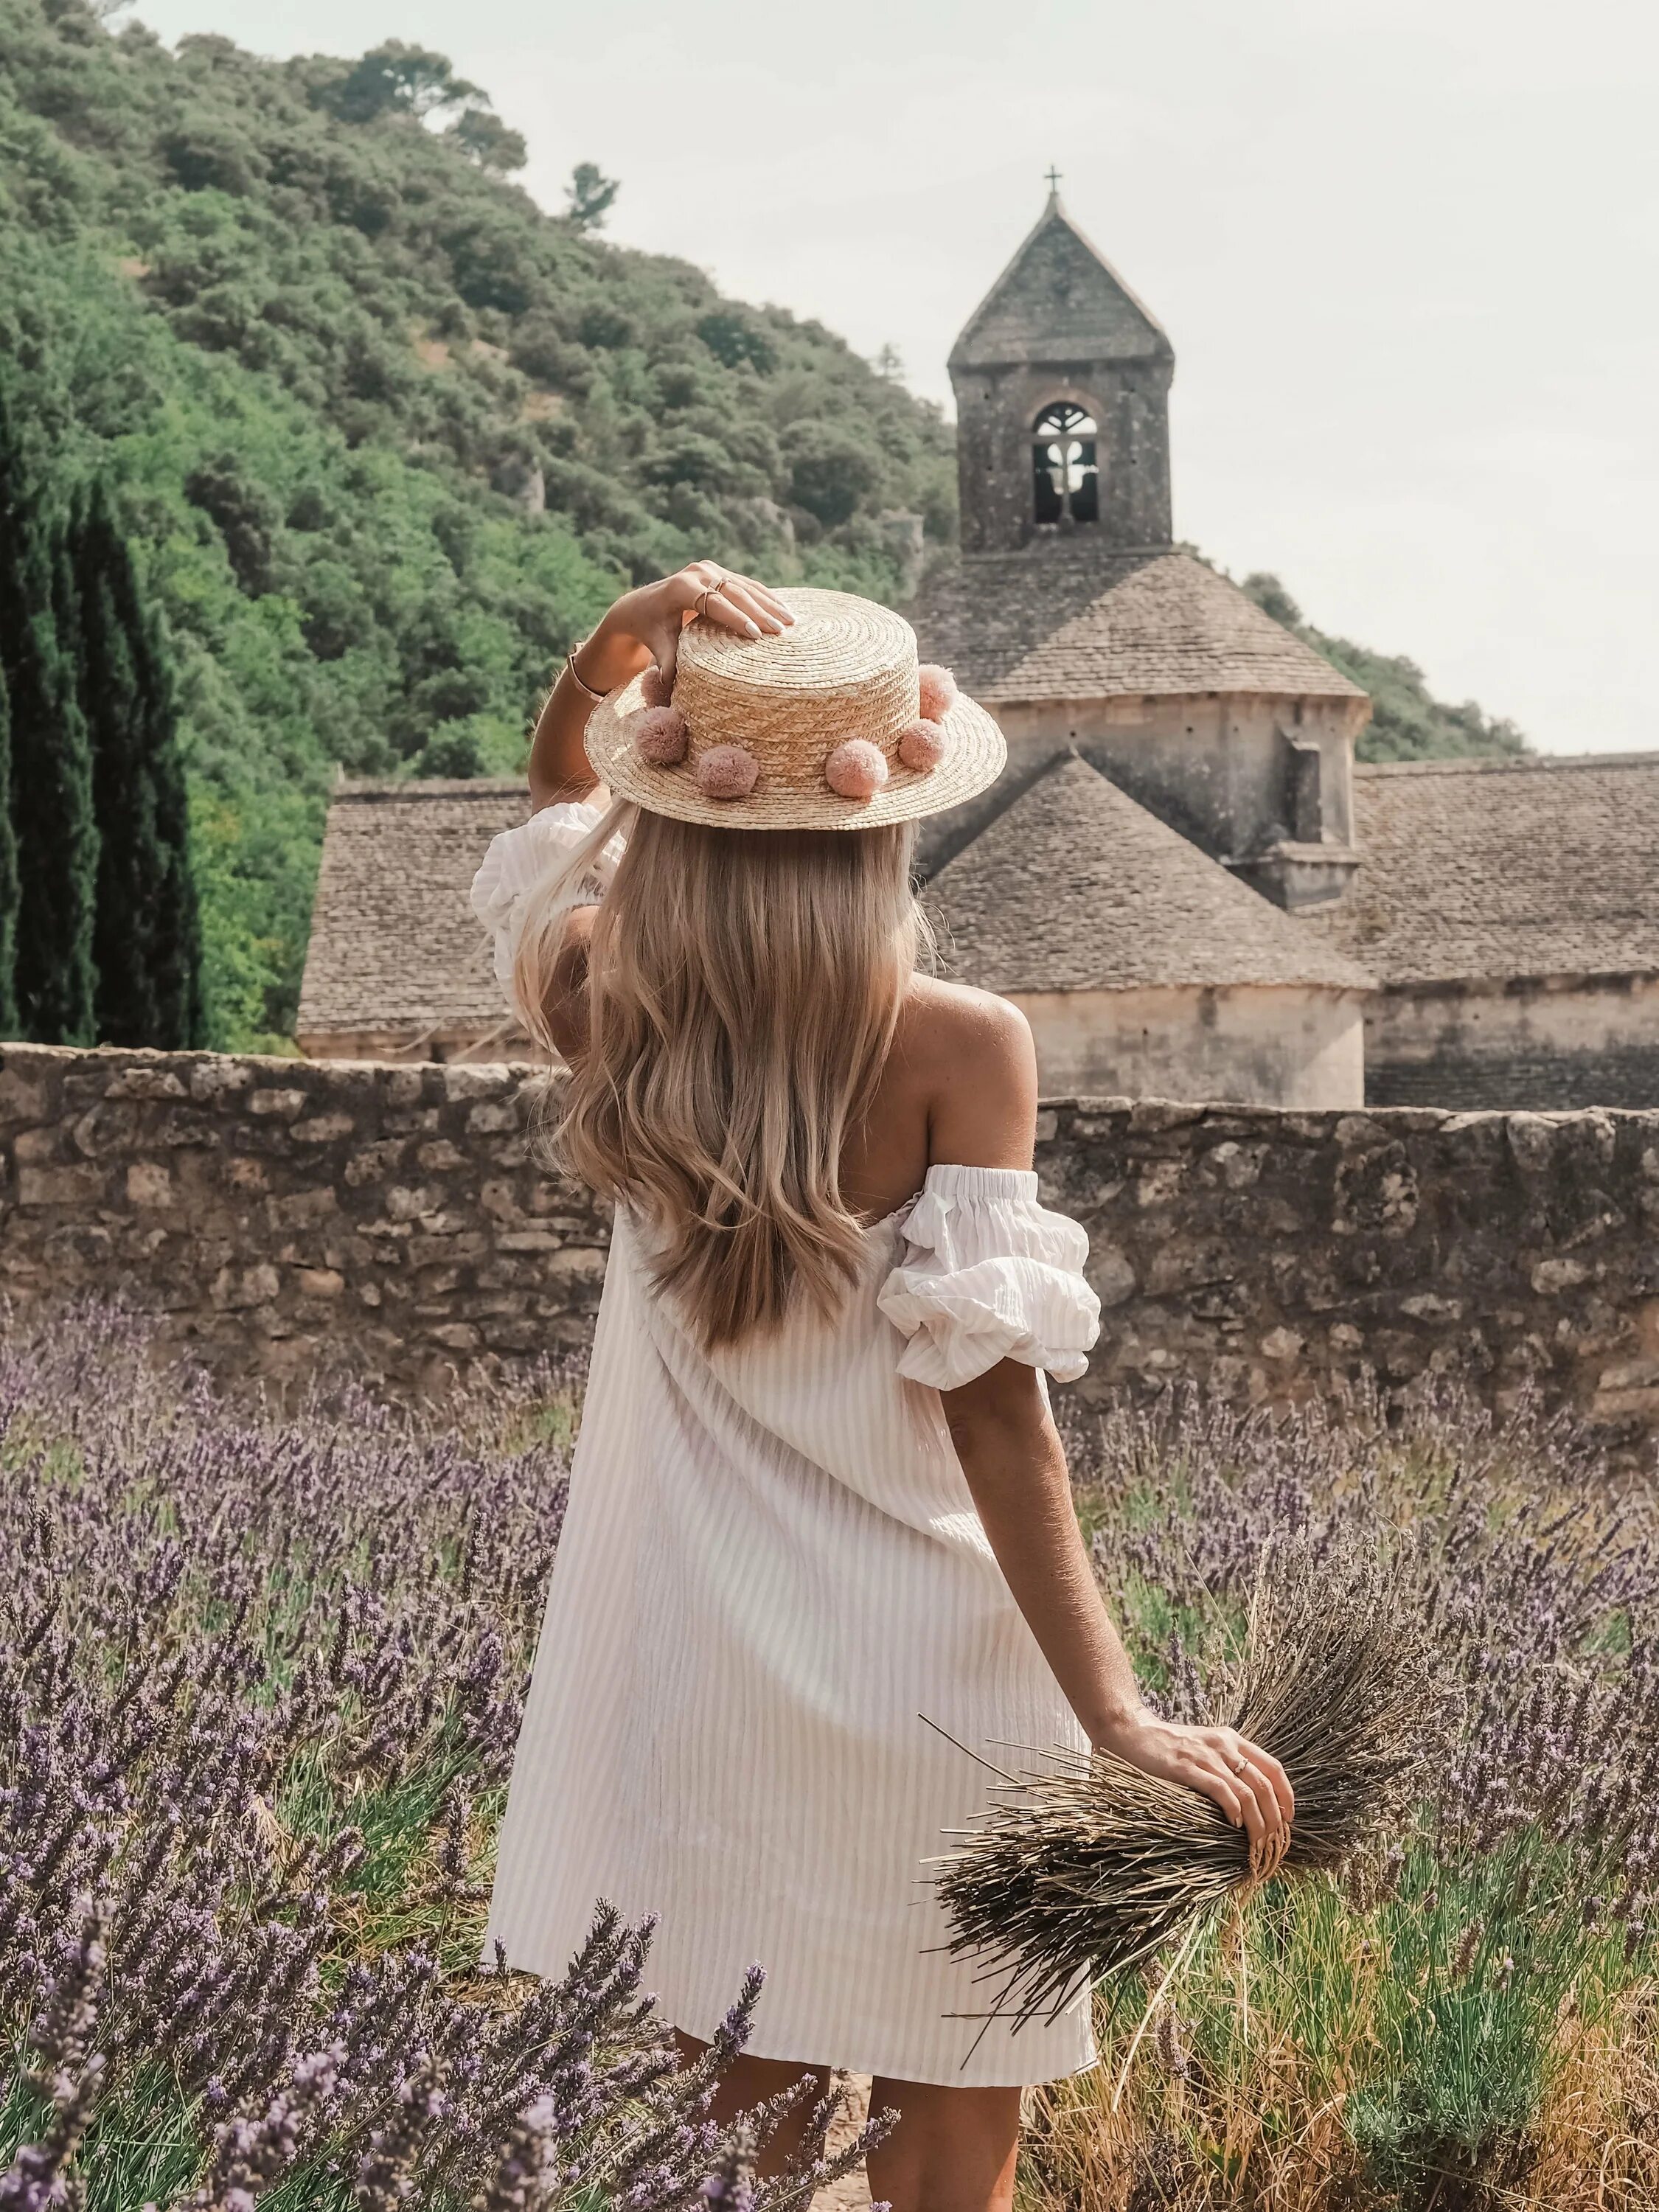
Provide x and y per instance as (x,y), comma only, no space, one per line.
(971,1054)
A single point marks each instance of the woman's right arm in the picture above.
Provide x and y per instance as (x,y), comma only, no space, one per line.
(983,1114)
(642,627)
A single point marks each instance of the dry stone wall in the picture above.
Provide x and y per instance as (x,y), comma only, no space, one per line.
(282,1217)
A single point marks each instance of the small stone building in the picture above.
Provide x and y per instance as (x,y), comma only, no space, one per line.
(1181,876)
(397,966)
(1144,970)
(1510,912)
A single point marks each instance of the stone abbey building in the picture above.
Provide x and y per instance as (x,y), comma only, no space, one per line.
(1183,877)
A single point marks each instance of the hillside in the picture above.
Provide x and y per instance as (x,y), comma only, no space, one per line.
(338,361)
(388,436)
(1407,721)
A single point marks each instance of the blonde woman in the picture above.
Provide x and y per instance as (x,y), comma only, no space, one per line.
(818,1500)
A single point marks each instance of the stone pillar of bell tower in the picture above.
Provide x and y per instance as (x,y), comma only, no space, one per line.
(1062,387)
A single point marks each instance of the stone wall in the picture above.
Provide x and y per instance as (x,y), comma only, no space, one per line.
(280,1216)
(1553,1042)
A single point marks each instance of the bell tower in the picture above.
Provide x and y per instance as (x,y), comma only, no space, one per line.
(1062,384)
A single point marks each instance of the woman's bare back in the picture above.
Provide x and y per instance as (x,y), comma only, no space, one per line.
(960,1084)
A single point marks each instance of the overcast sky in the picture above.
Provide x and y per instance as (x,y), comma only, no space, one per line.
(1407,251)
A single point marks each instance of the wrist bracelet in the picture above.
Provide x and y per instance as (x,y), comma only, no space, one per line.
(570,663)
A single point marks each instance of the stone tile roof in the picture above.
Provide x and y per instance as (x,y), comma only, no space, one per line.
(1060,301)
(394,944)
(1074,887)
(1486,869)
(1063,619)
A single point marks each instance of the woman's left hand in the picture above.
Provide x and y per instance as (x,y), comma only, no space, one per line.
(646,624)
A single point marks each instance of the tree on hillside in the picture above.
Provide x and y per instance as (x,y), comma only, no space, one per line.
(147,936)
(8,879)
(51,779)
(1407,721)
(395,79)
(589,196)
(485,139)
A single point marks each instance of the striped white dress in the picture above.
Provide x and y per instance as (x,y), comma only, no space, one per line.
(771,1578)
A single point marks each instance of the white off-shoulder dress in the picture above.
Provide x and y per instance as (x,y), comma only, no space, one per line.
(771,1578)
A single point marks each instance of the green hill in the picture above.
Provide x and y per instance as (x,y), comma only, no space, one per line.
(387,436)
(337,361)
(1407,721)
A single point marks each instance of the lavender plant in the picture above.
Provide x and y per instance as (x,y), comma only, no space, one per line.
(1422,2012)
(260,1680)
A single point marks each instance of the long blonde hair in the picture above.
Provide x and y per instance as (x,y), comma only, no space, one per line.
(743,989)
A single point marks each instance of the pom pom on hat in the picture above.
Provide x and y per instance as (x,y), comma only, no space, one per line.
(655,688)
(857,769)
(939,692)
(660,736)
(922,745)
(727,772)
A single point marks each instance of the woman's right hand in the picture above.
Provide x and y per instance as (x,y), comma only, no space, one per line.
(645,624)
(1249,1783)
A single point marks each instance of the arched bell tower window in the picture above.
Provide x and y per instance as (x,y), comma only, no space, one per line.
(1065,474)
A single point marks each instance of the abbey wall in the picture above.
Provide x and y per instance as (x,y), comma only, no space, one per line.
(284,1217)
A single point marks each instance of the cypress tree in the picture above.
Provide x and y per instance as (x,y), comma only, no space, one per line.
(147,937)
(51,778)
(8,878)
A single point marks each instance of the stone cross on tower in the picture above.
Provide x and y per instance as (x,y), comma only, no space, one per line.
(1062,385)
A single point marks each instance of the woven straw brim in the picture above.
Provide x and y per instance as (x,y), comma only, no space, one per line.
(974,756)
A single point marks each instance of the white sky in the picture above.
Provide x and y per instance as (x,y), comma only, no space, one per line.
(1407,251)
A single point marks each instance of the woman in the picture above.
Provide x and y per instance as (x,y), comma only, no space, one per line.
(818,1501)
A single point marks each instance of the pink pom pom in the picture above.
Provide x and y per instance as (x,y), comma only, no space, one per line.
(922,745)
(727,772)
(660,736)
(857,769)
(655,688)
(939,692)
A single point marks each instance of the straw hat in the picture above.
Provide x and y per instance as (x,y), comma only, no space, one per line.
(830,725)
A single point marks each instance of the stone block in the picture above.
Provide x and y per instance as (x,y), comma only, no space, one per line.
(216,1080)
(439,1157)
(325,1283)
(235,1289)
(1551,1276)
(30,1146)
(302,1209)
(1111,1274)
(49,1185)
(21,1098)
(149,1182)
(144,1083)
(463,1082)
(494,1117)
(285,1104)
(406,1087)
(323,1128)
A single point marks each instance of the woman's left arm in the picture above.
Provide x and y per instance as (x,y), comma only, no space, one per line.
(642,627)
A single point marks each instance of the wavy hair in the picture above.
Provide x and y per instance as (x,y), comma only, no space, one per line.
(742,988)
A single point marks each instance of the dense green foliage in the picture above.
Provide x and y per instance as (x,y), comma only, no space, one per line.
(49,798)
(1408,722)
(146,933)
(387,437)
(99,935)
(335,361)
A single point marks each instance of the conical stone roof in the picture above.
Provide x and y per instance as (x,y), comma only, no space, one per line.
(1074,887)
(1059,299)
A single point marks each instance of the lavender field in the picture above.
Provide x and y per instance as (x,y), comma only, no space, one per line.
(260,1681)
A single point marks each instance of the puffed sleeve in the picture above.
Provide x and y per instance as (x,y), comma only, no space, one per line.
(520,857)
(987,1274)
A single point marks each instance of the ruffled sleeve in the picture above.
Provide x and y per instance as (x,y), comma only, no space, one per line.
(989,1274)
(519,859)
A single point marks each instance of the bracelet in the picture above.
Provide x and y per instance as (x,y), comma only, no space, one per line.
(570,663)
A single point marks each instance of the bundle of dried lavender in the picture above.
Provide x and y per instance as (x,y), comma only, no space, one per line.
(1083,1866)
